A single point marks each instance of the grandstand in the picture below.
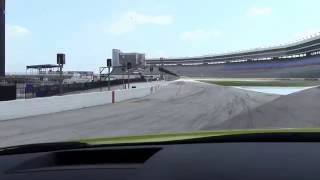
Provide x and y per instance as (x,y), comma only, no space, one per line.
(271,69)
(300,59)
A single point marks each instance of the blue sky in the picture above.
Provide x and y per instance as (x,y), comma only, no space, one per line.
(87,30)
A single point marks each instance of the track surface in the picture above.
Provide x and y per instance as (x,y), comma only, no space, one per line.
(182,106)
(297,110)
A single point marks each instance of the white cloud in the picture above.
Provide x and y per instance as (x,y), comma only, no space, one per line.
(307,33)
(16,31)
(259,11)
(130,20)
(200,35)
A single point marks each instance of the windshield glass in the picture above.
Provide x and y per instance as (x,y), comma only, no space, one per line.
(149,70)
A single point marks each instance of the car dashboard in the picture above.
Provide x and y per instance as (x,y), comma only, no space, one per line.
(220,161)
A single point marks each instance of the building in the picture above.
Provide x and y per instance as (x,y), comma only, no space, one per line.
(115,57)
(137,60)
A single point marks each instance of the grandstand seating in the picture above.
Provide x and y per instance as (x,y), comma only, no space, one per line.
(307,67)
(284,63)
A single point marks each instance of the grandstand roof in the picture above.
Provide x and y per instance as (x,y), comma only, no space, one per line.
(301,46)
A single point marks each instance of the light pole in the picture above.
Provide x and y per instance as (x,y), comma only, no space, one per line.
(109,64)
(129,66)
(61,60)
(123,70)
(161,73)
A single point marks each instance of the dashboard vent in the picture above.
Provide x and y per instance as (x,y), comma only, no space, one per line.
(97,158)
(89,157)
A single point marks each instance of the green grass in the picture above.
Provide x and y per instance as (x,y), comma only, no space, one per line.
(260,83)
(185,135)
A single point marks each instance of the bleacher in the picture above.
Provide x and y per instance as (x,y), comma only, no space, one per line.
(284,63)
(307,67)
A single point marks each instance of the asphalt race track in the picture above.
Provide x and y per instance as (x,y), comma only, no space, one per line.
(181,106)
(297,110)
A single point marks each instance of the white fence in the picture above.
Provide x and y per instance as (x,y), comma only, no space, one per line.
(39,106)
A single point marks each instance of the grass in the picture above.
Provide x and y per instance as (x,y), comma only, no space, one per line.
(185,135)
(276,83)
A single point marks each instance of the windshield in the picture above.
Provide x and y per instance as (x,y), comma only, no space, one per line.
(156,70)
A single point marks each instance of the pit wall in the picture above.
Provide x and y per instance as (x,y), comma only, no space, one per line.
(40,106)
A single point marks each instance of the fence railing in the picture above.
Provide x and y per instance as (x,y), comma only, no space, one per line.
(27,91)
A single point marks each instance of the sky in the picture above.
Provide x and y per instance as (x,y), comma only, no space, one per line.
(87,31)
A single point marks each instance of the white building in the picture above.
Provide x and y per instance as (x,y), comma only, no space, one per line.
(115,57)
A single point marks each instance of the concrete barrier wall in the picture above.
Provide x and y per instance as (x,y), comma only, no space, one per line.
(39,106)
(131,94)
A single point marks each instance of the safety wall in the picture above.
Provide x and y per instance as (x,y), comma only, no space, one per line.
(39,106)
(8,92)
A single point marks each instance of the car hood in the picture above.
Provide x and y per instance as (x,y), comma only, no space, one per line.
(168,137)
